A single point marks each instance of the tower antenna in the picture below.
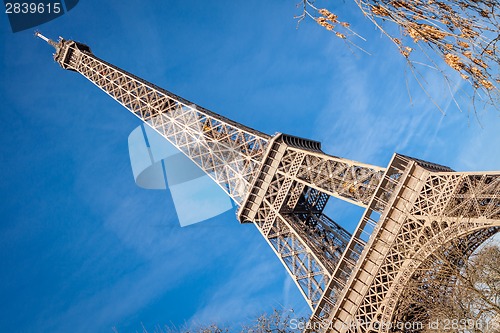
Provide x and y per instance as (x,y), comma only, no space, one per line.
(48,40)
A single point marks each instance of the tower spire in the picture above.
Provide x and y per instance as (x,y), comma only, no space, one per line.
(48,40)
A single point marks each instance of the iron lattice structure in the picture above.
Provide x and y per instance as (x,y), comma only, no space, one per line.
(282,183)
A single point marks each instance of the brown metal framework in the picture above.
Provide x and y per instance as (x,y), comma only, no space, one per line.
(282,184)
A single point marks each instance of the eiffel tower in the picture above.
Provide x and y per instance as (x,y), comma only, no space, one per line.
(281,183)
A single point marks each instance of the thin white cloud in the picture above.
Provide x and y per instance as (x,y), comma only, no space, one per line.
(248,292)
(368,120)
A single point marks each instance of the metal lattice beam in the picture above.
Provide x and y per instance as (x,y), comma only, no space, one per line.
(420,218)
(227,151)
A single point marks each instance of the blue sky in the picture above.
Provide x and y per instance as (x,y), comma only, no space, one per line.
(83,249)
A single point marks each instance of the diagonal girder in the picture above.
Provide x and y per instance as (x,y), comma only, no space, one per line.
(421,216)
(227,151)
(345,179)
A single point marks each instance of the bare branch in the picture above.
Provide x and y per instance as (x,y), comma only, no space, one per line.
(459,35)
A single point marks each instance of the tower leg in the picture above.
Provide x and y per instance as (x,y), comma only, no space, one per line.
(425,212)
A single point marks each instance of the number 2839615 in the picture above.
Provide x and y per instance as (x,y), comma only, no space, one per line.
(32,8)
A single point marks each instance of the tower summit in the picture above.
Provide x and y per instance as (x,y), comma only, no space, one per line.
(282,184)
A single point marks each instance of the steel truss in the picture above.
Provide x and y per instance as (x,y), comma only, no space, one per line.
(428,208)
(283,183)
